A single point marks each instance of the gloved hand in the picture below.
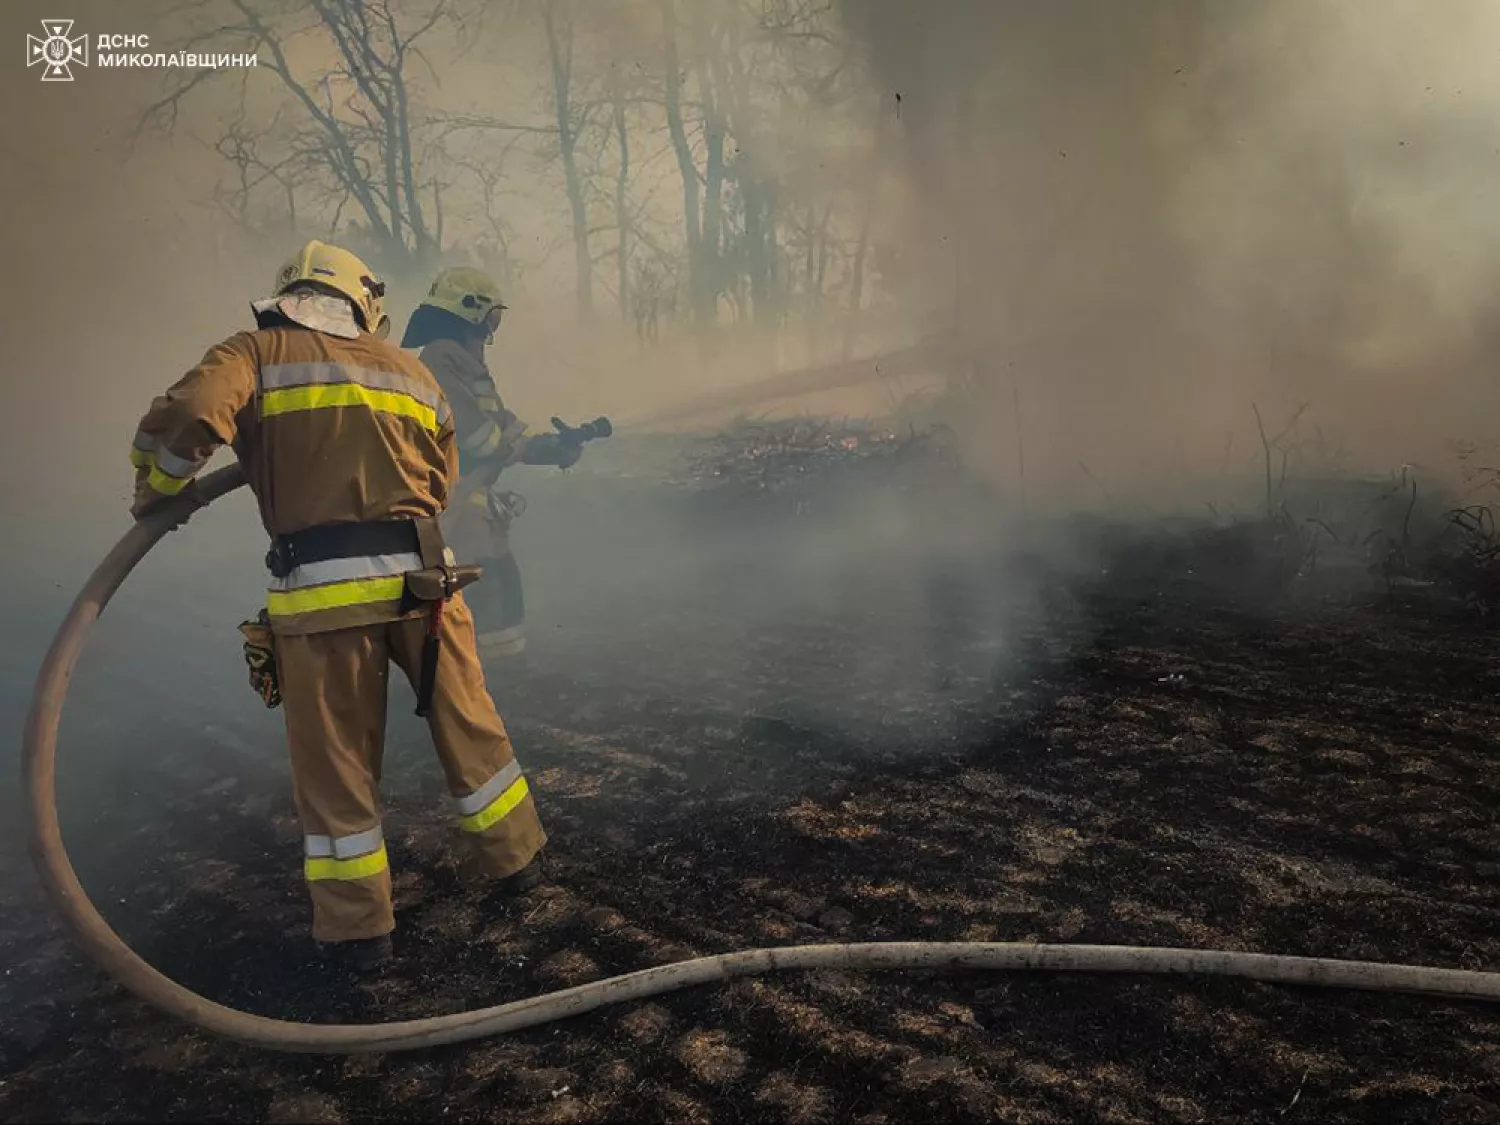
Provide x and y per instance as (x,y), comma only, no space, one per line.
(148,502)
(550,449)
(260,656)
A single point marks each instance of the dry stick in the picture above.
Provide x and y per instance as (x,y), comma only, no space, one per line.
(1015,393)
(1275,443)
(1265,443)
(1108,500)
(1406,522)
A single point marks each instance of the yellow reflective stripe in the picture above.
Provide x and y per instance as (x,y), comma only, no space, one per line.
(140,458)
(321,397)
(361,867)
(496,810)
(492,442)
(166,485)
(335,595)
(484,442)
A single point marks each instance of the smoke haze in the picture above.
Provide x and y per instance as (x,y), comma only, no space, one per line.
(1137,218)
(1132,220)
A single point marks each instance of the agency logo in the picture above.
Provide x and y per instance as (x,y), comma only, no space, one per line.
(57,53)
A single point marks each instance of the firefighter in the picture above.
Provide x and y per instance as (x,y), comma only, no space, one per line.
(453,324)
(348,444)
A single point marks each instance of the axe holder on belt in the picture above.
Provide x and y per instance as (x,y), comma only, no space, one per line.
(437,582)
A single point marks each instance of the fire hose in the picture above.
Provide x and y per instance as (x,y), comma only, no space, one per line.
(39,761)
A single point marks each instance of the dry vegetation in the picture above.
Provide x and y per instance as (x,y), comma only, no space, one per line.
(1174,746)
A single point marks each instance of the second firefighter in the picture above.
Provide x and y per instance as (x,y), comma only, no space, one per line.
(452,326)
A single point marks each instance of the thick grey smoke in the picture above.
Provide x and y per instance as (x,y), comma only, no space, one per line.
(1151,214)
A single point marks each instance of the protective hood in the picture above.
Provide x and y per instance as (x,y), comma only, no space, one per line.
(322,312)
(429,323)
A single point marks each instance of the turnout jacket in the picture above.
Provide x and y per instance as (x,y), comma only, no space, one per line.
(490,437)
(329,430)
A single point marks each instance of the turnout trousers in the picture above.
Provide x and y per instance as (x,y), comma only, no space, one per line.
(480,534)
(333,687)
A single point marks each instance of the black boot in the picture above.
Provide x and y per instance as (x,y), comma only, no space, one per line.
(519,883)
(362,955)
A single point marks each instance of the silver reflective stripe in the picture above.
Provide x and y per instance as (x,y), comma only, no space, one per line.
(502,636)
(487,435)
(280,376)
(342,847)
(509,648)
(485,795)
(347,570)
(144,442)
(175,466)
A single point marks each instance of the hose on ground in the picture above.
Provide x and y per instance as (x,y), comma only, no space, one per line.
(117,959)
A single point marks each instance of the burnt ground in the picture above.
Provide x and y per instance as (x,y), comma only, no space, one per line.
(1144,753)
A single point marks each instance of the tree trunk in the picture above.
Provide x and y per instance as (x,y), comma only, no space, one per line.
(560,51)
(757,194)
(714,127)
(710,247)
(686,165)
(866,217)
(810,261)
(817,289)
(622,213)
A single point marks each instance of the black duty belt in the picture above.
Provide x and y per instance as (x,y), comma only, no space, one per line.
(352,540)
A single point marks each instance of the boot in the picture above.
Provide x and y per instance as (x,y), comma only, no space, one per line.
(517,884)
(362,955)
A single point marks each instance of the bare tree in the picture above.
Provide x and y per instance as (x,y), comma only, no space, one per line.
(357,137)
(687,164)
(622,183)
(557,18)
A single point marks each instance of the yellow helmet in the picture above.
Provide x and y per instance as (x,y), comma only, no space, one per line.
(469,294)
(340,271)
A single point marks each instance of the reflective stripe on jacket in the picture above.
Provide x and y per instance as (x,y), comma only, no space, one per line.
(329,430)
(487,432)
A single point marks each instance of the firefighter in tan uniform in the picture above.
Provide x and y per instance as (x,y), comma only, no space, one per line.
(452,325)
(348,444)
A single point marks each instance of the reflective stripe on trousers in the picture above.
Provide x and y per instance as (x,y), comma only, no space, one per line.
(492,802)
(344,857)
(510,641)
(290,387)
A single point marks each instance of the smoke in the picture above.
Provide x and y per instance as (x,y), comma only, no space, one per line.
(1150,215)
(1137,218)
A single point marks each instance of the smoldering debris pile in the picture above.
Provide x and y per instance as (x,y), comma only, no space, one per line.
(790,459)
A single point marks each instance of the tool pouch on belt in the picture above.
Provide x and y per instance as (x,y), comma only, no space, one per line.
(260,655)
(434,585)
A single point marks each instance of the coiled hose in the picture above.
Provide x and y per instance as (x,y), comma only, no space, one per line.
(106,948)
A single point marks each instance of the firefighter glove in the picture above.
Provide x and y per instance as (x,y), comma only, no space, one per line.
(260,656)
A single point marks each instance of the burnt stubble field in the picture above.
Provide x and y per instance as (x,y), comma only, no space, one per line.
(927,739)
